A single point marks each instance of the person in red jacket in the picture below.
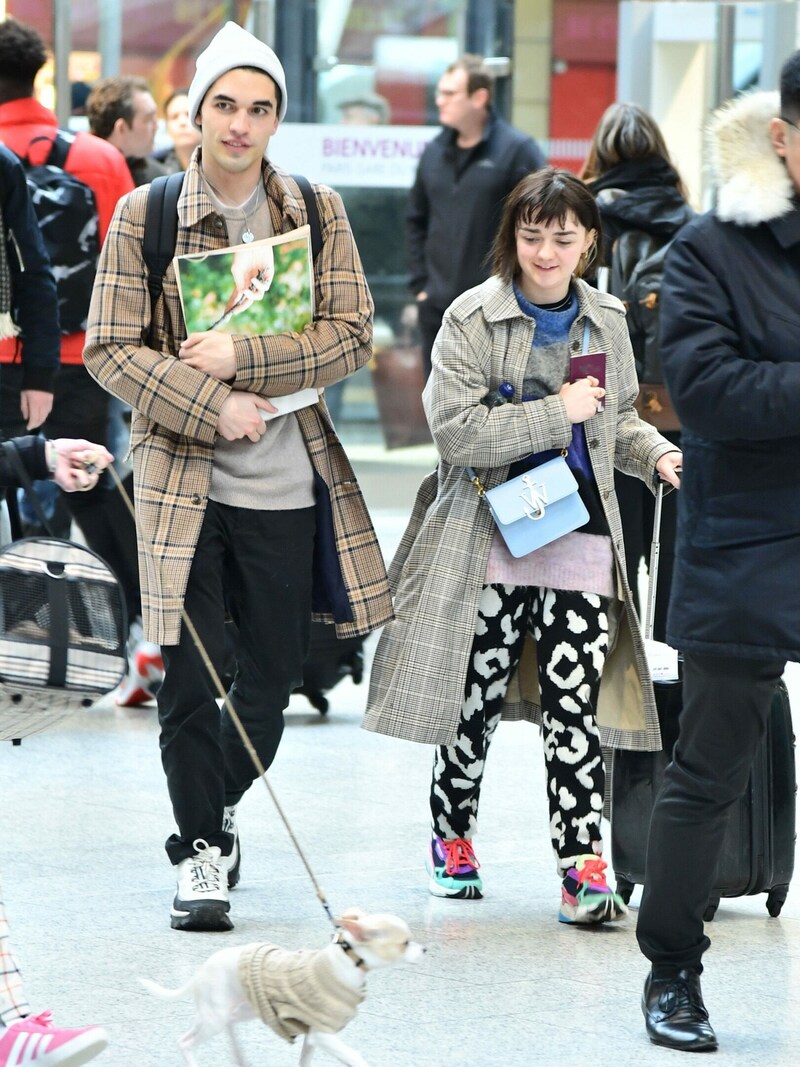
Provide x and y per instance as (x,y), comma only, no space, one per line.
(80,406)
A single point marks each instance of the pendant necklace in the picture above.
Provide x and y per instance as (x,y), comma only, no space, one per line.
(247,234)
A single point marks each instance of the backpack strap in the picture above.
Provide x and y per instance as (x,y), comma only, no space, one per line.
(160,230)
(313,213)
(62,142)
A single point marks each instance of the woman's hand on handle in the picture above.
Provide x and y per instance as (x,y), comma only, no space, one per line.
(669,468)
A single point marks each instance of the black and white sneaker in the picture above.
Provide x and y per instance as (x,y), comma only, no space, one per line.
(201,901)
(234,861)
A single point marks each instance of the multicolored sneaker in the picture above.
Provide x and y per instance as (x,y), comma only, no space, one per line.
(586,896)
(453,869)
(145,674)
(36,1041)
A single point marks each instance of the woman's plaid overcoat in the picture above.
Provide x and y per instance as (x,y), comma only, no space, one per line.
(418,674)
(176,408)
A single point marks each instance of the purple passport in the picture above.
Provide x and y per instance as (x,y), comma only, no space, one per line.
(586,363)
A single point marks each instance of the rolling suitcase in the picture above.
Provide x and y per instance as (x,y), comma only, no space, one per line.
(758,850)
(330,658)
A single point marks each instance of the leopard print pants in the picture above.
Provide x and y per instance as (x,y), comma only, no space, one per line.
(571,633)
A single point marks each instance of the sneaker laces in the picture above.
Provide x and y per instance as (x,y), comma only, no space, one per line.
(205,872)
(593,872)
(44,1019)
(458,853)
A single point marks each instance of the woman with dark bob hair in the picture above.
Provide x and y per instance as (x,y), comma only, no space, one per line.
(550,636)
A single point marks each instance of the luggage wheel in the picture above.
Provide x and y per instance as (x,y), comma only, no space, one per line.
(711,909)
(776,898)
(624,889)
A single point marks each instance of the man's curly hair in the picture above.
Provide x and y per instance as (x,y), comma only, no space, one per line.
(23,53)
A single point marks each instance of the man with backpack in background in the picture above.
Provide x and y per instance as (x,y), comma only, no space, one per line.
(260,518)
(79,198)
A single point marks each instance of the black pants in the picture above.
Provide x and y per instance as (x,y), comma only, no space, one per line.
(725,709)
(257,565)
(429,319)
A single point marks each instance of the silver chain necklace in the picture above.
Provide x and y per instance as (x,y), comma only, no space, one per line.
(247,235)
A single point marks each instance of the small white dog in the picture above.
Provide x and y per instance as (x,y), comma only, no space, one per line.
(314,993)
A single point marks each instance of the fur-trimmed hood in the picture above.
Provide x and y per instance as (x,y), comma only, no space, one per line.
(752,183)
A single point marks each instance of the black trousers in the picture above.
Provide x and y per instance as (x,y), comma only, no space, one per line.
(725,708)
(257,565)
(429,319)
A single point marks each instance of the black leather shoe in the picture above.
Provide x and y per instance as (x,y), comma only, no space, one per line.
(675,1015)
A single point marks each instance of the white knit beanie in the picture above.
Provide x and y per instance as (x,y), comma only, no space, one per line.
(233,47)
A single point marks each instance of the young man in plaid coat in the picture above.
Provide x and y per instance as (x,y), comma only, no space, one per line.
(261,518)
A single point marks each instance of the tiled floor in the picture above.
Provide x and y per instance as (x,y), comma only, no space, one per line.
(502,985)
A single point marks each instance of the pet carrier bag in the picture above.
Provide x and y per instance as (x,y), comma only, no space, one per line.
(63,629)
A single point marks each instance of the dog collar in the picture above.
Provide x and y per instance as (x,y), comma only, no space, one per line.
(348,950)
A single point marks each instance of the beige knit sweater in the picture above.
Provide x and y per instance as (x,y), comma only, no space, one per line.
(295,992)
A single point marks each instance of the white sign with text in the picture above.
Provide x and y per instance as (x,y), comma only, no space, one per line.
(363,156)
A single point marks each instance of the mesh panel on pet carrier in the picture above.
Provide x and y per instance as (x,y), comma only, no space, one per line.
(62,632)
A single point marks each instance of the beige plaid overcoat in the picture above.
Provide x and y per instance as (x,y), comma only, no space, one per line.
(418,674)
(176,408)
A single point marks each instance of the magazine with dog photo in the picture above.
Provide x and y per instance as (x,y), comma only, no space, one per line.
(264,287)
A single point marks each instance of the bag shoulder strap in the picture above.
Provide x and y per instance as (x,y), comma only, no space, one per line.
(160,230)
(62,142)
(312,210)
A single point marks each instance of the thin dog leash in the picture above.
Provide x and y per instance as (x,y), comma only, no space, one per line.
(248,744)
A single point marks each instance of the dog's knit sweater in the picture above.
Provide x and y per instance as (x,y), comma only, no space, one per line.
(295,992)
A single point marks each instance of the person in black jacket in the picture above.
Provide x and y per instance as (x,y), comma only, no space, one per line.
(30,337)
(730,324)
(463,177)
(637,187)
(28,301)
(25,1037)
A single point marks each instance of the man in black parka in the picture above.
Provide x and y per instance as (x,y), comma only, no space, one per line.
(730,337)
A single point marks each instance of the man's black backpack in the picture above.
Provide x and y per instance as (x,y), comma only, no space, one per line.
(161,227)
(67,214)
(637,270)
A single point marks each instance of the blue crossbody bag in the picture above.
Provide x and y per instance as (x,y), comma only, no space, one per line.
(536,507)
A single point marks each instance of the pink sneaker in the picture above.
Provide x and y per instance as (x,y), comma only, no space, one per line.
(35,1040)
